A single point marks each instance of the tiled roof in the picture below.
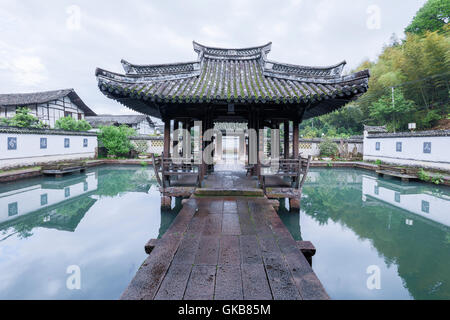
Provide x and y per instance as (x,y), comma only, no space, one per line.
(106,120)
(232,76)
(22,99)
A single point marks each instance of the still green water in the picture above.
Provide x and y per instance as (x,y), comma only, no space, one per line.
(98,221)
(357,220)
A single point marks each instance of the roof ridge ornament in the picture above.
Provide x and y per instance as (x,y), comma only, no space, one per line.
(232,53)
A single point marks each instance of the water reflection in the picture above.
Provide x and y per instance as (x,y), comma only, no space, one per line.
(99,220)
(356,219)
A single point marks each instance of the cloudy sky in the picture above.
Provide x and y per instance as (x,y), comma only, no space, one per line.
(55,44)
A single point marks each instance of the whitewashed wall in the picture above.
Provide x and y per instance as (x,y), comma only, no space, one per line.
(412,148)
(28,149)
(20,202)
(422,204)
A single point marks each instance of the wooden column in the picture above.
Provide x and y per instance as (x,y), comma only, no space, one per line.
(175,144)
(295,139)
(286,139)
(166,138)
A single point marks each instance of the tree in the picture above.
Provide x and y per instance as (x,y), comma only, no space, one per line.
(433,16)
(70,124)
(395,114)
(24,119)
(116,139)
(328,148)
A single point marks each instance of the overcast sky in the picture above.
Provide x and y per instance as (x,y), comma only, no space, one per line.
(55,44)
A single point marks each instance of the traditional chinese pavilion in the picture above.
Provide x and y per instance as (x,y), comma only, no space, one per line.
(233,85)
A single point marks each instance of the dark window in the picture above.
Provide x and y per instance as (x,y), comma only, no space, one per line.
(43,143)
(425,206)
(85,142)
(44,199)
(12,143)
(80,116)
(398,147)
(67,114)
(67,192)
(427,147)
(66,143)
(377,146)
(13,209)
(397,197)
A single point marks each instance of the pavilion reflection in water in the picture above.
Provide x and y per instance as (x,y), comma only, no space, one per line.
(62,203)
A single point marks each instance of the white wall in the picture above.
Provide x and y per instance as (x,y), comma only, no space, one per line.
(28,199)
(412,150)
(425,205)
(29,151)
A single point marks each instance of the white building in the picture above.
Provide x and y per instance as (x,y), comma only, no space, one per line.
(141,123)
(48,106)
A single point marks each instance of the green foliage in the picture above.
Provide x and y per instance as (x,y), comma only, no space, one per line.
(328,148)
(433,16)
(116,139)
(24,119)
(70,124)
(378,162)
(393,114)
(422,175)
(417,67)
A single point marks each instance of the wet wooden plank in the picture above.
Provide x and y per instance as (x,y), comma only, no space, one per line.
(174,283)
(250,250)
(213,225)
(228,283)
(187,251)
(280,279)
(208,251)
(230,207)
(229,252)
(254,282)
(200,285)
(230,224)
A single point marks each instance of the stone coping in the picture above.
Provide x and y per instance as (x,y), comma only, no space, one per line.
(18,130)
(430,133)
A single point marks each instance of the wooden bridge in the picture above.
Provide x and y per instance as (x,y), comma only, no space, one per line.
(227,242)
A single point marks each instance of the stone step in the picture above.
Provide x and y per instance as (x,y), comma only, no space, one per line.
(247,192)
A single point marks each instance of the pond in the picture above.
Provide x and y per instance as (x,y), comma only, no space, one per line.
(98,222)
(364,226)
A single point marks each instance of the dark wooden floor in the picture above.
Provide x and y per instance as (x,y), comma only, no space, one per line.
(226,248)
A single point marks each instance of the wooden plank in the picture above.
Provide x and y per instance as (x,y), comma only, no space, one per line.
(201,283)
(174,283)
(213,225)
(250,250)
(229,252)
(254,282)
(228,283)
(208,251)
(230,224)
